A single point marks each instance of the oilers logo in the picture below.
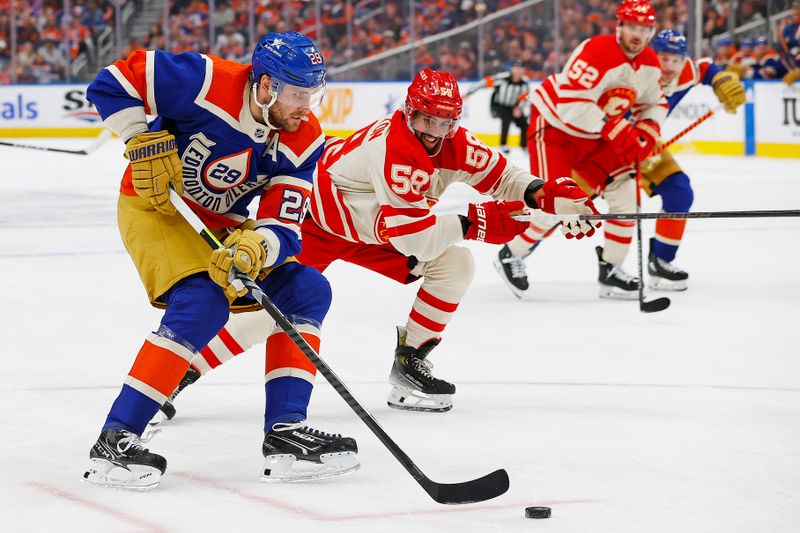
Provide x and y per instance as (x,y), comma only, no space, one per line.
(229,171)
(219,184)
(617,101)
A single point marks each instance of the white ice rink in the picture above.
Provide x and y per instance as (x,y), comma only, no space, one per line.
(682,421)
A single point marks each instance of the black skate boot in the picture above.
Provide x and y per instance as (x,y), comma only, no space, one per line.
(664,276)
(413,386)
(615,283)
(512,269)
(295,452)
(119,460)
(167,411)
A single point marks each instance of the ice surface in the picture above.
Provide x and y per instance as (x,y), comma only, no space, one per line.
(685,420)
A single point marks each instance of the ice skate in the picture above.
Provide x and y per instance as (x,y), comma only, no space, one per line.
(614,282)
(664,276)
(413,386)
(512,269)
(167,411)
(295,452)
(119,460)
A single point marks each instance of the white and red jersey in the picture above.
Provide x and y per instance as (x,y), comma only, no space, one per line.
(378,186)
(600,81)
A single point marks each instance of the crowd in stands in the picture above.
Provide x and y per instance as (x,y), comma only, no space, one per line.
(48,36)
(351,30)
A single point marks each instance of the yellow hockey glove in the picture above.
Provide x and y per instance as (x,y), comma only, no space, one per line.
(728,89)
(792,76)
(155,164)
(245,250)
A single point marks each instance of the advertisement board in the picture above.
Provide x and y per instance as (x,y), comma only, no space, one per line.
(770,120)
(777,119)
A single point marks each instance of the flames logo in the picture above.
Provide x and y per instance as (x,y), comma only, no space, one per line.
(617,101)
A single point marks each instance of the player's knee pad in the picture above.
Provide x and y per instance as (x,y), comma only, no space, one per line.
(621,196)
(196,309)
(676,193)
(300,291)
(453,269)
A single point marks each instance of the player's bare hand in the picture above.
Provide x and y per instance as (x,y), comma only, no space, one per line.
(154,165)
(563,196)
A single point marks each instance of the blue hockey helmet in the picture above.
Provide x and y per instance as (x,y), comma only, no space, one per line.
(725,41)
(761,41)
(746,43)
(671,42)
(289,57)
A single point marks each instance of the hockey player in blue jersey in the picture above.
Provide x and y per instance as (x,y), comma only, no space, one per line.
(225,134)
(661,175)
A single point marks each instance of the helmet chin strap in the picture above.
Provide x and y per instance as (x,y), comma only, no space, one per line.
(265,107)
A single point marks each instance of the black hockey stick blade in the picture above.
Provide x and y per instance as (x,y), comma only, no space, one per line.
(654,306)
(478,490)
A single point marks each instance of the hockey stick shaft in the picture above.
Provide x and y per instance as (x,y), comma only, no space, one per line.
(686,130)
(480,489)
(766,213)
(94,145)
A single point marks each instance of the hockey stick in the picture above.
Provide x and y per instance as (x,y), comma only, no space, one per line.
(95,144)
(477,490)
(765,213)
(686,130)
(659,304)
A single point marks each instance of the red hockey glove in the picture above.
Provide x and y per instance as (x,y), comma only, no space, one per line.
(631,141)
(492,222)
(563,196)
(647,132)
(618,132)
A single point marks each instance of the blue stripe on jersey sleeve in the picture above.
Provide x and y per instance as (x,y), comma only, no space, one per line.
(178,80)
(108,96)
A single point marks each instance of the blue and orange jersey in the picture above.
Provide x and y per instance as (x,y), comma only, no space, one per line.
(228,158)
(769,67)
(694,72)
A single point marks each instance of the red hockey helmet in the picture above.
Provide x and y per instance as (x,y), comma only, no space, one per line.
(637,12)
(435,93)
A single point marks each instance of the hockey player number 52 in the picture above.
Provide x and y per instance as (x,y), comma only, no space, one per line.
(583,73)
(404,180)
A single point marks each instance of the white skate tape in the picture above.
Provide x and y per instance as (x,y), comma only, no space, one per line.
(285,468)
(611,292)
(409,399)
(657,283)
(158,418)
(135,477)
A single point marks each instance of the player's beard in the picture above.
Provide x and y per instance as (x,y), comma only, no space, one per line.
(431,144)
(286,118)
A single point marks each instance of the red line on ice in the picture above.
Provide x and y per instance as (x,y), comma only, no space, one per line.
(136,522)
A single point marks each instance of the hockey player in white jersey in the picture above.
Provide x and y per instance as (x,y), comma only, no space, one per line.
(371,206)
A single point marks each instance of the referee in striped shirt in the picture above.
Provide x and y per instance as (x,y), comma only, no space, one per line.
(509,87)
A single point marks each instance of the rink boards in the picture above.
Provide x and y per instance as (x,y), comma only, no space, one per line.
(768,124)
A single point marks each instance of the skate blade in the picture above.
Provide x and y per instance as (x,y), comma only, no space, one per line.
(407,399)
(663,284)
(286,468)
(107,474)
(519,293)
(615,293)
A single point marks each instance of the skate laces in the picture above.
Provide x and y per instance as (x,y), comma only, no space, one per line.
(668,266)
(424,367)
(286,426)
(623,276)
(131,440)
(517,266)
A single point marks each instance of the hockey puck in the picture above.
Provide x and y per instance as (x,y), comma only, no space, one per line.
(537,512)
